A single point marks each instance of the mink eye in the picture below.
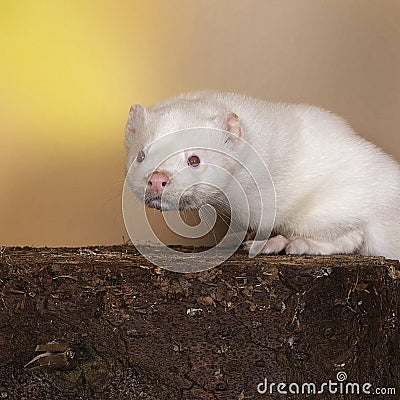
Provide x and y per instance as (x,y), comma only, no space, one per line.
(193,161)
(140,157)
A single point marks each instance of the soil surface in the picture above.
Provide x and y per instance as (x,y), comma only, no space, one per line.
(104,323)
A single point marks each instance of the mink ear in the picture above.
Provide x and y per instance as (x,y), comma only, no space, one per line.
(230,122)
(136,118)
(233,124)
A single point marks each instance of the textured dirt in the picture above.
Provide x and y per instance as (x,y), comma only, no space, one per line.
(121,328)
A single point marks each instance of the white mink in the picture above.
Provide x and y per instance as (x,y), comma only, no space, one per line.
(335,192)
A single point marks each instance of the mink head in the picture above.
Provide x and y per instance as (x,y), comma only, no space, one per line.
(181,155)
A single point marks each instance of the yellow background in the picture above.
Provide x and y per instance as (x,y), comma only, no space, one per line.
(69,71)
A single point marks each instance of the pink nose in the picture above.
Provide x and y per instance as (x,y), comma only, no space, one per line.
(157,181)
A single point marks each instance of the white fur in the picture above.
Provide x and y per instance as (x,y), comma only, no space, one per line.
(335,192)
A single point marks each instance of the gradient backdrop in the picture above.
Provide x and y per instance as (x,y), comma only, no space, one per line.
(69,71)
